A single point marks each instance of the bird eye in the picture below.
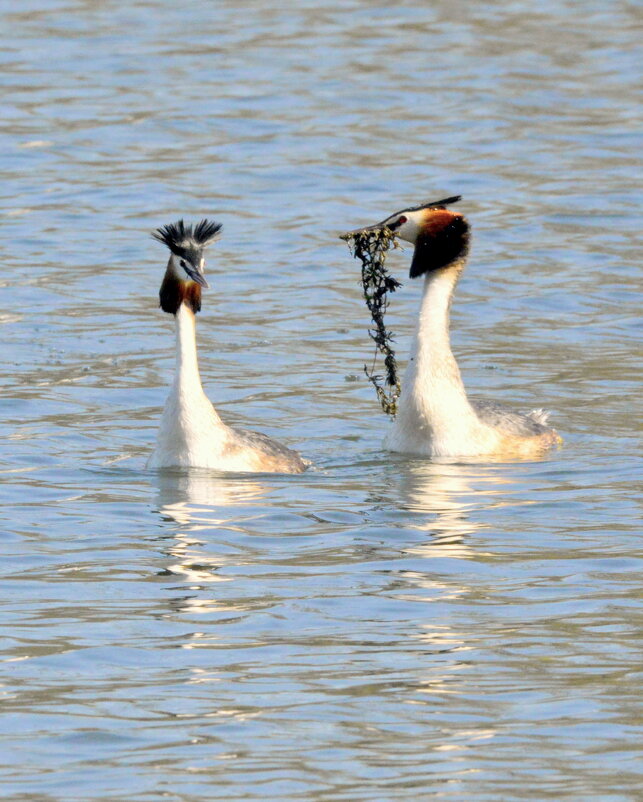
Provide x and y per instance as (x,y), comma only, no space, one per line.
(182,263)
(401,220)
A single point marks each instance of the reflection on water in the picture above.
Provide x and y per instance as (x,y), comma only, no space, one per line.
(196,498)
(445,493)
(198,501)
(378,628)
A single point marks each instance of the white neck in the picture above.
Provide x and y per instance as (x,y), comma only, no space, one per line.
(187,381)
(191,433)
(433,405)
(187,365)
(431,342)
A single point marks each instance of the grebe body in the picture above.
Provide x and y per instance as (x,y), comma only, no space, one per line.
(191,433)
(435,417)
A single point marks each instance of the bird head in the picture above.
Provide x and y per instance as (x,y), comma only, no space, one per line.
(440,235)
(184,276)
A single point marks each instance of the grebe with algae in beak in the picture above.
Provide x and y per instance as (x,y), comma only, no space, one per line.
(435,418)
(191,433)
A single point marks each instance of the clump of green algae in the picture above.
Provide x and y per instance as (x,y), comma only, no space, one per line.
(370,247)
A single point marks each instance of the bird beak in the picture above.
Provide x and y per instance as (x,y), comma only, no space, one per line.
(365,229)
(196,275)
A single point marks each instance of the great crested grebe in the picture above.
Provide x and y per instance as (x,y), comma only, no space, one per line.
(435,418)
(191,433)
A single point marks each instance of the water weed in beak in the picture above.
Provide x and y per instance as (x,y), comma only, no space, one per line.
(370,246)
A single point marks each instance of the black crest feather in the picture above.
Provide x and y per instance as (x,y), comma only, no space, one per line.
(181,238)
(440,204)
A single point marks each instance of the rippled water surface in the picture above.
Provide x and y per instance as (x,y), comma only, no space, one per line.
(380,627)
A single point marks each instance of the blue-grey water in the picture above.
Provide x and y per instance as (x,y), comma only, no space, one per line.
(379,628)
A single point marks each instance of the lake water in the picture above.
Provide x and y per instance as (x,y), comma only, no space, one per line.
(379,628)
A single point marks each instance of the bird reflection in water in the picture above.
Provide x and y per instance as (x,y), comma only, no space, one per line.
(444,501)
(199,502)
(449,494)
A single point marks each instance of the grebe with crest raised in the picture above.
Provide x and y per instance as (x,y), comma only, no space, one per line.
(435,418)
(191,433)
